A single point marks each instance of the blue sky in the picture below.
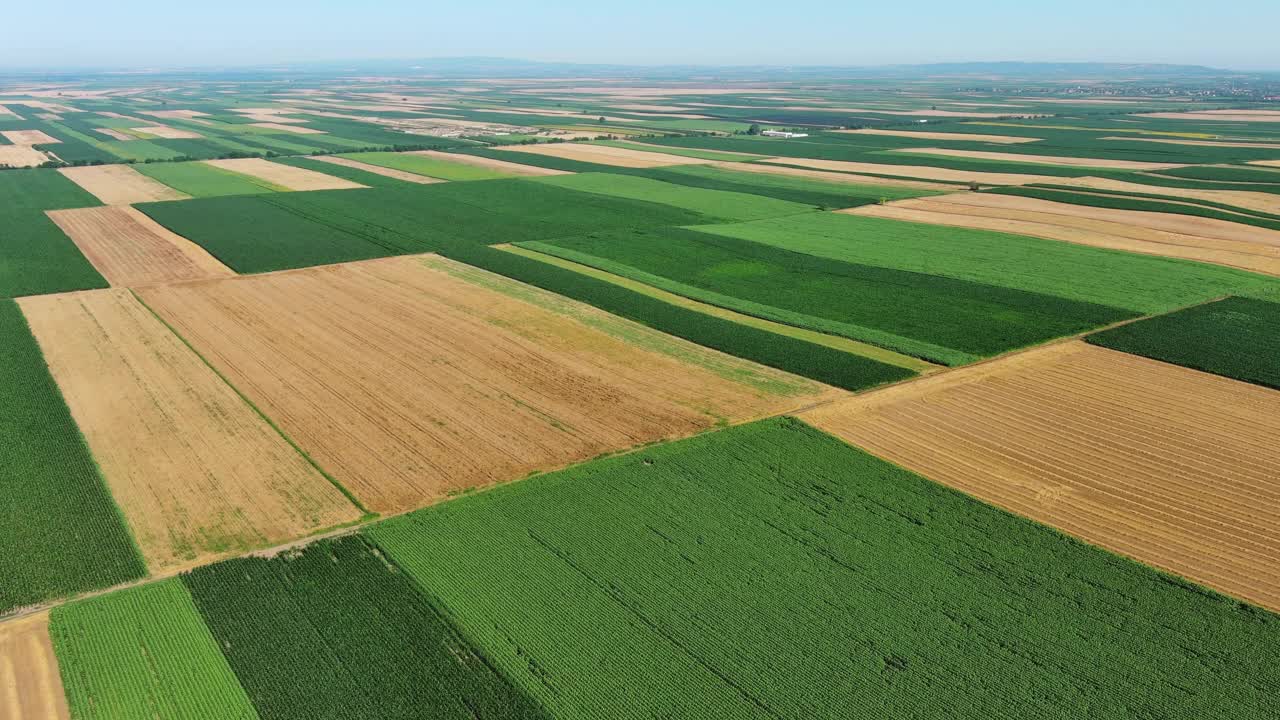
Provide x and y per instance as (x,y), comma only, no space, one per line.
(141,33)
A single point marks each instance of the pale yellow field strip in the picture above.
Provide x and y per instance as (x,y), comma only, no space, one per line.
(168,133)
(1253,256)
(285,127)
(1259,201)
(378,170)
(132,250)
(1220,115)
(120,184)
(21,156)
(605,155)
(1042,159)
(489,163)
(1204,143)
(923,135)
(838,177)
(114,134)
(284,175)
(30,684)
(410,378)
(1173,467)
(196,471)
(921,172)
(1268,163)
(29,137)
(173,114)
(836,342)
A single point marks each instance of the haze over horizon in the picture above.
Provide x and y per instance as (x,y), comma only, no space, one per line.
(1238,36)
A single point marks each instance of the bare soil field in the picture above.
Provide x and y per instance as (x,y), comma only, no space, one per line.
(605,155)
(922,172)
(415,377)
(132,250)
(120,184)
(1043,159)
(30,684)
(21,156)
(286,127)
(1170,466)
(168,133)
(196,471)
(830,176)
(29,137)
(999,139)
(284,175)
(490,163)
(1085,227)
(378,170)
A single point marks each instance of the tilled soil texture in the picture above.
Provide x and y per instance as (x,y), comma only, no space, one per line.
(132,250)
(120,184)
(412,378)
(1170,466)
(285,175)
(197,472)
(1168,234)
(605,155)
(30,686)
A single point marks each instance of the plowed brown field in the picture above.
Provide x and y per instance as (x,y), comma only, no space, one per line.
(132,250)
(284,175)
(410,378)
(605,155)
(120,184)
(1166,234)
(1174,467)
(196,471)
(30,686)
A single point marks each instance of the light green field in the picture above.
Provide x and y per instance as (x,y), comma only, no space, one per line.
(683,152)
(428,165)
(713,203)
(198,179)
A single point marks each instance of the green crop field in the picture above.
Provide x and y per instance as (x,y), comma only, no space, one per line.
(770,571)
(428,165)
(61,532)
(144,653)
(1145,204)
(818,193)
(715,204)
(336,632)
(937,318)
(1234,337)
(363,177)
(199,179)
(1227,173)
(39,190)
(37,258)
(1140,283)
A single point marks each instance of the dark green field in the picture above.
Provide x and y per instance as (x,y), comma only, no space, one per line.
(770,570)
(40,190)
(937,318)
(335,631)
(61,531)
(1234,337)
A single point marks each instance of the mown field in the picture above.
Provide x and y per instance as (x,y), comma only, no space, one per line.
(757,572)
(1235,337)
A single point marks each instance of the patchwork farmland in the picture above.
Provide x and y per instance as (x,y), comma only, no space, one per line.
(583,398)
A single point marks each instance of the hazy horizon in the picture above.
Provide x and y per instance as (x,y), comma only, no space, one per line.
(148,34)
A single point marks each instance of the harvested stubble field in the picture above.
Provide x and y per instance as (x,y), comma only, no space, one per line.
(29,137)
(1043,159)
(196,471)
(120,184)
(1169,235)
(771,571)
(604,154)
(132,250)
(30,686)
(167,133)
(833,177)
(411,378)
(293,178)
(378,169)
(917,171)
(1171,466)
(1248,199)
(21,156)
